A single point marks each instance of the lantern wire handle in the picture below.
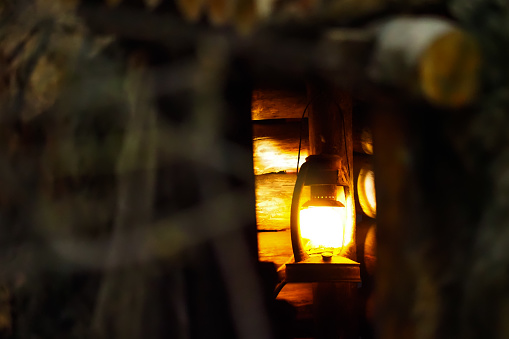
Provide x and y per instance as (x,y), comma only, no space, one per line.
(344,139)
(300,135)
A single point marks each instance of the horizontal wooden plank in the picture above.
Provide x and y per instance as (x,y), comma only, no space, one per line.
(274,196)
(273,200)
(275,247)
(276,147)
(277,104)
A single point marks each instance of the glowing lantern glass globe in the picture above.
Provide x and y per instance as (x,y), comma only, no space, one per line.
(322,226)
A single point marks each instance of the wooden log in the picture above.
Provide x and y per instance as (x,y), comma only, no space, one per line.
(431,57)
(275,247)
(276,146)
(273,201)
(330,121)
(278,104)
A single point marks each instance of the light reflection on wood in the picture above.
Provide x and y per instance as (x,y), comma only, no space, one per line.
(275,247)
(278,104)
(273,200)
(272,156)
(276,147)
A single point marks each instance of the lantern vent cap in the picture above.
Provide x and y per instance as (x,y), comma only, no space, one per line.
(322,203)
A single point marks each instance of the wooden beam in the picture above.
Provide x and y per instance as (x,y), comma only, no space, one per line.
(276,146)
(277,104)
(330,132)
(273,201)
(275,247)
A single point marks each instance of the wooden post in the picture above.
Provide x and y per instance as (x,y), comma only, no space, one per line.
(330,132)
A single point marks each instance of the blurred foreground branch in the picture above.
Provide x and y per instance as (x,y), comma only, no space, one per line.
(121,299)
(425,57)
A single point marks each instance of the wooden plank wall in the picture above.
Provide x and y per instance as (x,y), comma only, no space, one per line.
(273,200)
(276,145)
(278,104)
(278,128)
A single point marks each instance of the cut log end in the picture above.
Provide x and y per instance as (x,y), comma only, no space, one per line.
(449,70)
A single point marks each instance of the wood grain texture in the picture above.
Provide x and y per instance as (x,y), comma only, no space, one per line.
(330,132)
(278,104)
(273,200)
(276,146)
(275,247)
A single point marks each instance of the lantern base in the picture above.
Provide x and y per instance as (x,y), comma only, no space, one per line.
(315,269)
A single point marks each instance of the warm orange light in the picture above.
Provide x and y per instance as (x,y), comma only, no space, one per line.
(366,191)
(369,186)
(271,156)
(325,228)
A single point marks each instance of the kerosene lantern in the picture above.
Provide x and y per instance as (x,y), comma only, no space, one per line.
(321,228)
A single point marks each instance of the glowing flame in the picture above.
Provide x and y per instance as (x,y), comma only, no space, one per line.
(325,227)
